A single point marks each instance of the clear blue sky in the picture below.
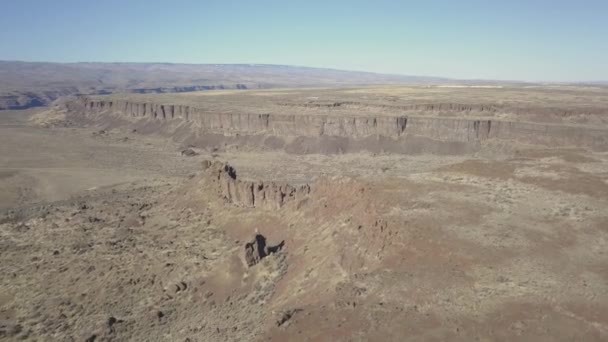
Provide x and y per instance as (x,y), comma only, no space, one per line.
(550,40)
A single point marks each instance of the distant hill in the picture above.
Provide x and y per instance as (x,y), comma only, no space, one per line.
(29,84)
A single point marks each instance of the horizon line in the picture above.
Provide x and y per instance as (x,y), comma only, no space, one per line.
(578,82)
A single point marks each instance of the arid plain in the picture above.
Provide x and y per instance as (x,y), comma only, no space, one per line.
(388,213)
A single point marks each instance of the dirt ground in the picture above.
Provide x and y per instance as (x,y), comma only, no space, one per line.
(116,236)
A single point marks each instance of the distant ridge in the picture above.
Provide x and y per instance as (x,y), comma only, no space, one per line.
(29,84)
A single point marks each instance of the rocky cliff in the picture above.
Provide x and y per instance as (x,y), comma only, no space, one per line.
(452,107)
(389,133)
(257,194)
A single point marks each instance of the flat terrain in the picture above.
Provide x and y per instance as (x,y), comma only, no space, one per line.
(41,165)
(112,234)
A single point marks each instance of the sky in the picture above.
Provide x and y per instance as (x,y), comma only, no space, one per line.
(531,40)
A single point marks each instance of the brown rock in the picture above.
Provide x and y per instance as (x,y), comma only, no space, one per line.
(252,194)
(206,164)
(255,250)
(189,152)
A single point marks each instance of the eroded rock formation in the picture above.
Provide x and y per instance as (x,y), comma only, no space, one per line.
(259,194)
(257,249)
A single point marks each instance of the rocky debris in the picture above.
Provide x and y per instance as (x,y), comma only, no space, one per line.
(206,164)
(257,249)
(175,288)
(285,316)
(111,323)
(93,219)
(160,281)
(8,329)
(253,194)
(180,286)
(21,227)
(189,152)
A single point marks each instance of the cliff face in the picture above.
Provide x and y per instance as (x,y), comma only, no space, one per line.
(257,194)
(279,125)
(456,108)
(397,129)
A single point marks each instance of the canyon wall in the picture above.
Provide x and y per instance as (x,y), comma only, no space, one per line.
(465,134)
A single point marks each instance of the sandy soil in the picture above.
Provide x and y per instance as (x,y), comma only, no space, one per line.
(104,238)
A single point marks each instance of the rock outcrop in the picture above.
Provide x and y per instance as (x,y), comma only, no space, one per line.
(189,152)
(258,194)
(255,250)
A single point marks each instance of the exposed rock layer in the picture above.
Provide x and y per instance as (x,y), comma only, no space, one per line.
(480,108)
(400,128)
(259,194)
